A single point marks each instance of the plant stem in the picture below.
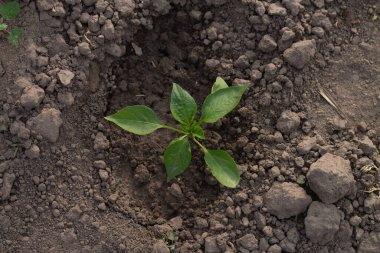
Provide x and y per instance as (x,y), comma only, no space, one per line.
(200,145)
(175,129)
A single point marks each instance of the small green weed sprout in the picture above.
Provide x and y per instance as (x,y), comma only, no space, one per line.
(8,12)
(141,120)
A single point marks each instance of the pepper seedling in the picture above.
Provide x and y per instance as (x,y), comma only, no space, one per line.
(141,120)
(8,12)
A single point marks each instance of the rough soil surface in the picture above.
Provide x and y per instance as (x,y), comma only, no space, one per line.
(72,182)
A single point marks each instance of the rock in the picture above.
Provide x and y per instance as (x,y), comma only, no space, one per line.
(48,123)
(66,98)
(370,243)
(330,178)
(200,223)
(211,246)
(101,142)
(115,50)
(32,96)
(267,44)
(300,53)
(276,9)
(74,213)
(103,174)
(319,3)
(288,246)
(125,7)
(372,203)
(33,152)
(108,30)
(367,146)
(274,249)
(162,6)
(142,174)
(321,20)
(248,242)
(293,6)
(160,247)
(84,48)
(68,236)
(286,199)
(65,76)
(8,180)
(288,122)
(322,222)
(307,144)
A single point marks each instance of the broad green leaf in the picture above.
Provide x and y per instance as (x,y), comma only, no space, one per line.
(137,119)
(3,27)
(199,132)
(15,36)
(9,10)
(182,105)
(223,167)
(219,84)
(177,157)
(220,103)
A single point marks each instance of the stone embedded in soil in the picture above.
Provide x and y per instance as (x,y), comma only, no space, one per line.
(322,222)
(293,6)
(321,20)
(307,144)
(32,96)
(33,152)
(276,9)
(330,177)
(267,44)
(65,76)
(248,242)
(8,180)
(370,243)
(68,236)
(125,7)
(103,174)
(286,199)
(300,53)
(211,245)
(161,6)
(372,203)
(108,30)
(288,122)
(160,247)
(115,50)
(367,146)
(48,123)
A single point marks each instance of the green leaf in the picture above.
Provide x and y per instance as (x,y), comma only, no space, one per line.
(199,132)
(137,119)
(182,105)
(219,84)
(3,27)
(15,36)
(223,167)
(9,10)
(220,103)
(177,157)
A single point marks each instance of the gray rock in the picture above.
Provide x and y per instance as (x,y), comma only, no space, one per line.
(267,44)
(307,144)
(48,123)
(32,96)
(293,6)
(286,199)
(125,7)
(248,242)
(367,146)
(68,236)
(84,48)
(160,247)
(8,180)
(115,50)
(103,174)
(322,222)
(74,213)
(330,178)
(321,20)
(288,246)
(300,53)
(65,76)
(108,30)
(319,3)
(274,249)
(33,152)
(162,6)
(370,243)
(211,246)
(66,98)
(372,203)
(276,9)
(101,142)
(288,122)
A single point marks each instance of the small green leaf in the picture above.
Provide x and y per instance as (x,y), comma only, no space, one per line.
(9,10)
(199,132)
(3,27)
(220,103)
(177,157)
(15,36)
(219,84)
(182,105)
(137,119)
(171,236)
(223,167)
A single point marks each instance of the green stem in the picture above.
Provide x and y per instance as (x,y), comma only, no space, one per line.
(200,145)
(175,129)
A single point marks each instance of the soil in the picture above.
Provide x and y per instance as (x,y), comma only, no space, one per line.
(72,182)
